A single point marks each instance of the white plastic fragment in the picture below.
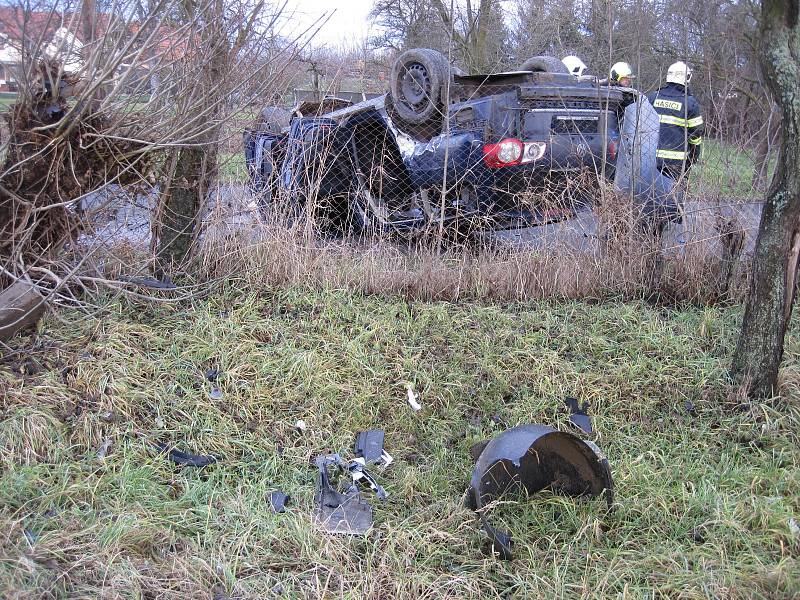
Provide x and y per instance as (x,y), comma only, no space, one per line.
(386,459)
(794,528)
(101,453)
(300,425)
(215,393)
(412,399)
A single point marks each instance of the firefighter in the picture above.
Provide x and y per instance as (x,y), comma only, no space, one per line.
(621,75)
(574,65)
(680,122)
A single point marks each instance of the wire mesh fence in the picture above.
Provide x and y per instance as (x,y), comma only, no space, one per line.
(512,184)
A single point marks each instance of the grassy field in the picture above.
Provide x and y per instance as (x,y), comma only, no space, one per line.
(704,502)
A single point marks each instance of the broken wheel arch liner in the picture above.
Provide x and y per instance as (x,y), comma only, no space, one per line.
(534,457)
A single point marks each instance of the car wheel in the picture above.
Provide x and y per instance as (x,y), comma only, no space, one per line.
(544,64)
(418,84)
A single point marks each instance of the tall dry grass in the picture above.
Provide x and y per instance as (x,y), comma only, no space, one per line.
(609,255)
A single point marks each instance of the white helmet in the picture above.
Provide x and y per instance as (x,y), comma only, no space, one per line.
(619,71)
(574,64)
(679,73)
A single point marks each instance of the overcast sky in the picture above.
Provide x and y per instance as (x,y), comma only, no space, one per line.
(348,23)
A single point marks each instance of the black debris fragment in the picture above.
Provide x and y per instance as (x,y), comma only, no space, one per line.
(278,501)
(185,459)
(338,512)
(579,415)
(534,457)
(212,374)
(151,282)
(689,406)
(369,445)
(30,536)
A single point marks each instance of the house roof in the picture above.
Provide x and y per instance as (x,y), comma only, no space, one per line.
(19,28)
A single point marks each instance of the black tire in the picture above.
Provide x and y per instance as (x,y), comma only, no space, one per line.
(544,64)
(418,84)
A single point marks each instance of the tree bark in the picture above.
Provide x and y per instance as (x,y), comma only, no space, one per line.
(183,203)
(769,305)
(195,168)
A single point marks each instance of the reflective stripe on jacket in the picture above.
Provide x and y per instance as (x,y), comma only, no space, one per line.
(681,126)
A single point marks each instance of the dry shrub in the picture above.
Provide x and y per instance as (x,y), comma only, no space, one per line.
(54,157)
(619,260)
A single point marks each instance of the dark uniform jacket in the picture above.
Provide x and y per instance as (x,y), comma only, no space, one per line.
(681,128)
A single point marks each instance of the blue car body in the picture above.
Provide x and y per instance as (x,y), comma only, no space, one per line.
(413,175)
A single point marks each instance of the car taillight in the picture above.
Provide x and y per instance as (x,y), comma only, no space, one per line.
(503,154)
(612,149)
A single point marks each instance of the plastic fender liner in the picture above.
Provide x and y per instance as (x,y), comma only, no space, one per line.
(534,457)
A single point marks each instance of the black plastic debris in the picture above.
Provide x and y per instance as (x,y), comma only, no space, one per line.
(184,458)
(532,458)
(689,406)
(369,445)
(150,282)
(579,415)
(344,511)
(338,512)
(278,501)
(30,536)
(212,374)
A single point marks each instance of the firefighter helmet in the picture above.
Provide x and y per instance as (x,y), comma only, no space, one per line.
(679,73)
(574,64)
(620,71)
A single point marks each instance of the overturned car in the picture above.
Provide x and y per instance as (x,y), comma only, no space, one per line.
(443,146)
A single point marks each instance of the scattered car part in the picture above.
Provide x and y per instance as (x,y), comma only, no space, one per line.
(215,393)
(579,414)
(533,457)
(689,406)
(386,459)
(412,399)
(300,426)
(184,458)
(794,528)
(338,512)
(359,473)
(101,453)
(212,374)
(369,445)
(278,501)
(151,282)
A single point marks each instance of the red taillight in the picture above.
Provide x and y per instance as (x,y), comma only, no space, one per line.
(612,149)
(503,154)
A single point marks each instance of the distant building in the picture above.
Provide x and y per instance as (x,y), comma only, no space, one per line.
(58,36)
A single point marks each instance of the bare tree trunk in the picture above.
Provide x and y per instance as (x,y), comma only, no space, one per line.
(769,306)
(183,203)
(195,168)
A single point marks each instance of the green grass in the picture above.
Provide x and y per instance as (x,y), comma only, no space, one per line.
(727,171)
(702,503)
(232,167)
